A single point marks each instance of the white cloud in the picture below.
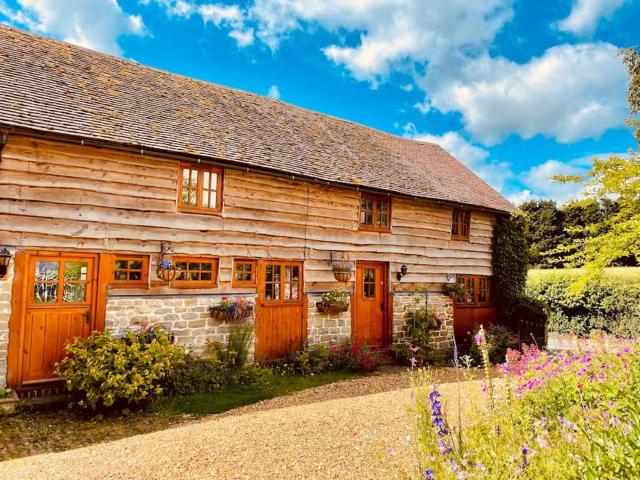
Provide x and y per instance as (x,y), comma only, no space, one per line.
(571,92)
(586,14)
(476,158)
(95,24)
(274,92)
(539,181)
(230,17)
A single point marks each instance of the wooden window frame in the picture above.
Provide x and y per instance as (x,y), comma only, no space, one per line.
(201,169)
(254,273)
(144,281)
(215,265)
(283,264)
(474,294)
(374,198)
(463,225)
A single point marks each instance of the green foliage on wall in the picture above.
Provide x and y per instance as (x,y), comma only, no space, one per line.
(510,262)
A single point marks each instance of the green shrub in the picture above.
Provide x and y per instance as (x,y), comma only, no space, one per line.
(499,340)
(236,353)
(110,372)
(208,374)
(608,304)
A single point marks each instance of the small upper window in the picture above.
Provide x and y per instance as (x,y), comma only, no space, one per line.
(460,224)
(195,272)
(375,212)
(200,188)
(130,270)
(244,273)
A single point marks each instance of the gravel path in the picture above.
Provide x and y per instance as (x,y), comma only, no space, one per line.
(296,437)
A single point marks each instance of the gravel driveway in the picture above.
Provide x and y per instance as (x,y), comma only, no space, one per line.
(362,437)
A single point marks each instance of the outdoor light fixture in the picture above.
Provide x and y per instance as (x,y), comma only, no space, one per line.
(5,258)
(4,138)
(403,271)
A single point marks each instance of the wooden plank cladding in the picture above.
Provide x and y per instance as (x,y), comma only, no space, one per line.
(67,196)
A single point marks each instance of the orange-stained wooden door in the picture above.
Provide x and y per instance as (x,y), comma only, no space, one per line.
(369,317)
(280,327)
(60,306)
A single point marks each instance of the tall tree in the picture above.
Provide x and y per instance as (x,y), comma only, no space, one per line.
(616,178)
(544,231)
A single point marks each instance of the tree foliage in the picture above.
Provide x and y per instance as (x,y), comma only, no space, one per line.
(616,178)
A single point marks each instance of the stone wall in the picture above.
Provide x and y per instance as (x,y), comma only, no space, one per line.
(324,328)
(405,303)
(5,312)
(187,316)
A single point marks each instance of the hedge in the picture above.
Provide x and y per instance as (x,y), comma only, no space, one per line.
(611,303)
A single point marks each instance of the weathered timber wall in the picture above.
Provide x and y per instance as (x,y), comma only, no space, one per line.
(59,196)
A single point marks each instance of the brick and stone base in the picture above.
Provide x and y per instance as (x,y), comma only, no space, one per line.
(405,302)
(5,312)
(324,327)
(187,317)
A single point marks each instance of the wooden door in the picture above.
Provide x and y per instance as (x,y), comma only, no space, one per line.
(280,327)
(60,306)
(369,317)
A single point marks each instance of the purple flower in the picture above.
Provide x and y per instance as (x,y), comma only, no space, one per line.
(413,361)
(429,475)
(524,462)
(479,338)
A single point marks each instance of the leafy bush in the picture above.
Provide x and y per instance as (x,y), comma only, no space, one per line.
(608,304)
(499,340)
(208,374)
(236,353)
(321,358)
(223,366)
(110,372)
(546,411)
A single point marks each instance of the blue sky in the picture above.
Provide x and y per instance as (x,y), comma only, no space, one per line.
(519,90)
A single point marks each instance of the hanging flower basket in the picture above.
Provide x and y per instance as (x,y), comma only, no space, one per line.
(165,270)
(232,311)
(230,316)
(342,271)
(167,274)
(342,276)
(331,309)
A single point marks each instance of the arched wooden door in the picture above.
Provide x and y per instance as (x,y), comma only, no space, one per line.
(280,326)
(60,305)
(369,316)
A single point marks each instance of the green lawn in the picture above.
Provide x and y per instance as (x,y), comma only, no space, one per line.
(619,273)
(223,400)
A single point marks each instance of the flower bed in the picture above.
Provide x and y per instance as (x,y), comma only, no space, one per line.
(570,415)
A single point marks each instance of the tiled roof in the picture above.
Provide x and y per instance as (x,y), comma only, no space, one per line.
(61,89)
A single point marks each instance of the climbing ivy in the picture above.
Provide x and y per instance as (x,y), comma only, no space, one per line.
(510,262)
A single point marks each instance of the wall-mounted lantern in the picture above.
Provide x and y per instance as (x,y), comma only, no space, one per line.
(5,259)
(402,273)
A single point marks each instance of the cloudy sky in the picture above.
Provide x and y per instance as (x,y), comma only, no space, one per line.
(519,90)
